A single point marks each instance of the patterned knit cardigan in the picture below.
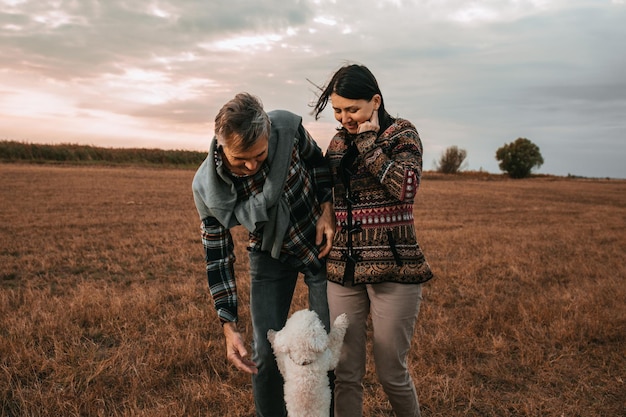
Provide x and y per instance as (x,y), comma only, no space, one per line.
(375,240)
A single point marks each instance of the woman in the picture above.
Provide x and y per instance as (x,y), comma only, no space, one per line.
(376,265)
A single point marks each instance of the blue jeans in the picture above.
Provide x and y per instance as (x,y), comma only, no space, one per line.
(272,284)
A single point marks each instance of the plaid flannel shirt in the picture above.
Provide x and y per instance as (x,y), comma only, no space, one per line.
(308,184)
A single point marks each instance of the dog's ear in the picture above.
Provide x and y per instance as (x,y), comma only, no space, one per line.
(318,344)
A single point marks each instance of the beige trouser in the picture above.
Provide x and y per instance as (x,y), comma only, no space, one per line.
(394,308)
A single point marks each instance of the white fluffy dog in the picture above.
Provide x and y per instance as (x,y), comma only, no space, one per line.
(305,354)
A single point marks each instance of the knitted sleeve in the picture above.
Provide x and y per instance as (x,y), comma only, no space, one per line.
(394,158)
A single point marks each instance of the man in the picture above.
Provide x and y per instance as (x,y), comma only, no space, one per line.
(265,172)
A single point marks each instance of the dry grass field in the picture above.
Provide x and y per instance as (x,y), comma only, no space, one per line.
(104,306)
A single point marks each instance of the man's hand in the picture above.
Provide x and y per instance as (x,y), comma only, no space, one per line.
(325,229)
(235,350)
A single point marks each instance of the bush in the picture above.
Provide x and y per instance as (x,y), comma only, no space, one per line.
(519,158)
(451,160)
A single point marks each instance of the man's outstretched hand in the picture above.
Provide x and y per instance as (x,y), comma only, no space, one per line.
(236,351)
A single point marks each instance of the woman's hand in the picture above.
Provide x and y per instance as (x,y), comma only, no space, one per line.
(372,125)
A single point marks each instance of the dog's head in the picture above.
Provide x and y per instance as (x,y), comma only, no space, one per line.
(303,338)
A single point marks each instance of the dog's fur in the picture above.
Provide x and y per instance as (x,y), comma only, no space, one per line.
(305,354)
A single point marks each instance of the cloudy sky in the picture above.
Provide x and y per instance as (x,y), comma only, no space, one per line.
(473,74)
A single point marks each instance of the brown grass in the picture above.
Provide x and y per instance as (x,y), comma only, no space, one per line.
(104,308)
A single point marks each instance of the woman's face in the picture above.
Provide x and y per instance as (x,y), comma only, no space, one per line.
(351,113)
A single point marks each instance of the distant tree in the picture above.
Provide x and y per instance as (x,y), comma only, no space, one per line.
(519,158)
(451,160)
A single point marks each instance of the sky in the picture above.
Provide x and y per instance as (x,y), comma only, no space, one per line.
(472,74)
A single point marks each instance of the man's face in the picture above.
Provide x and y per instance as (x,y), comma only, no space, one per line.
(246,162)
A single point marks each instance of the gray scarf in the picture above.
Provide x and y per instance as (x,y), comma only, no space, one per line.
(215,195)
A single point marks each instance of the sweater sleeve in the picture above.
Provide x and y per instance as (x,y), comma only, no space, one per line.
(394,158)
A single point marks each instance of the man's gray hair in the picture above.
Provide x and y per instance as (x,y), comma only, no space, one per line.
(241,122)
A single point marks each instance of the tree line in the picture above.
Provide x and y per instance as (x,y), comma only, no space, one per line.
(517,159)
(12,151)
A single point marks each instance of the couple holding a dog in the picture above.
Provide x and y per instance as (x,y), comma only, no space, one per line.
(356,247)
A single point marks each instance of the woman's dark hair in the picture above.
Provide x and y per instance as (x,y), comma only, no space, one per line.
(355,82)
